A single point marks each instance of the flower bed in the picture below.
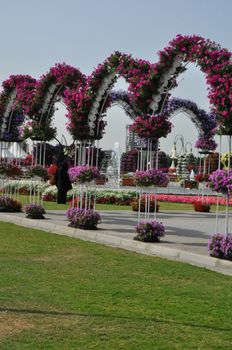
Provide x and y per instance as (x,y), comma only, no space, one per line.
(81,218)
(150,231)
(9,205)
(173,198)
(220,246)
(34,211)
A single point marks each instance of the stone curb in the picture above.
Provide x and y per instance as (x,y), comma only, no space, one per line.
(219,265)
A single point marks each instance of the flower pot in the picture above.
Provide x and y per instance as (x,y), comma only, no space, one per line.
(128,182)
(190,185)
(100,182)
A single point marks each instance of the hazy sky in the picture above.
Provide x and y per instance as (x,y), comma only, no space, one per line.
(35,34)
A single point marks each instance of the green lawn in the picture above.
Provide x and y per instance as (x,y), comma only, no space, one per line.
(62,293)
(163,206)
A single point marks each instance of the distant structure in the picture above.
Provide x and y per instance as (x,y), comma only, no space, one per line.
(132,140)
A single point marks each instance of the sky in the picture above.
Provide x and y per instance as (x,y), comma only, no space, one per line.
(36,34)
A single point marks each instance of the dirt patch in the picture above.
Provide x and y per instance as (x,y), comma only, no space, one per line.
(12,324)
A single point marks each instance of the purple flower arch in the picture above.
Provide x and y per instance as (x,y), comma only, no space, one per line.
(204,122)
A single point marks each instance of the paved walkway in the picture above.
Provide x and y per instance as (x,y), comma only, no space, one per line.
(186,239)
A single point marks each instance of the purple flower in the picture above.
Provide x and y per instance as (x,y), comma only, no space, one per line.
(220,246)
(151,177)
(86,219)
(221,181)
(83,173)
(150,231)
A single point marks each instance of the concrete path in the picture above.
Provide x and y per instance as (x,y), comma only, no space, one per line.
(187,234)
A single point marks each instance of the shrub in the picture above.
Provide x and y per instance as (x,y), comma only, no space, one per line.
(76,201)
(40,171)
(81,218)
(220,246)
(150,231)
(9,205)
(10,170)
(201,207)
(135,205)
(34,211)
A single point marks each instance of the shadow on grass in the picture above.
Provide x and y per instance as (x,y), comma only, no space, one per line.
(135,318)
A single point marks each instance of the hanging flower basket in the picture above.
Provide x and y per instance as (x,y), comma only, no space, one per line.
(151,127)
(151,177)
(34,211)
(221,181)
(83,174)
(84,219)
(150,231)
(206,144)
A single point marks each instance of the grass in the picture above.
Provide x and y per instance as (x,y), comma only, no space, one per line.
(163,206)
(63,293)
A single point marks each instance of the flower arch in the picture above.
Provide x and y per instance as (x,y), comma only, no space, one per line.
(15,102)
(150,85)
(204,122)
(50,88)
